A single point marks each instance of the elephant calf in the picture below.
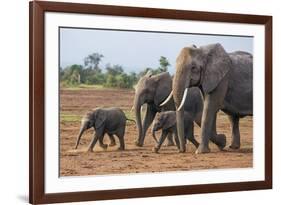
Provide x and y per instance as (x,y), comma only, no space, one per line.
(167,122)
(111,121)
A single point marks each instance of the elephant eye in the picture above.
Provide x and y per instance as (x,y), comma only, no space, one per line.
(195,69)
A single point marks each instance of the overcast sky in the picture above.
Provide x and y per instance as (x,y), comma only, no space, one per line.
(136,51)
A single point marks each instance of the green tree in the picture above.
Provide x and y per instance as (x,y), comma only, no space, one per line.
(164,64)
(123,81)
(75,78)
(71,75)
(110,81)
(115,77)
(92,61)
(133,79)
(114,70)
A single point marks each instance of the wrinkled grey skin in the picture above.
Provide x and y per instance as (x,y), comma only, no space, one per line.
(153,90)
(166,121)
(226,81)
(111,121)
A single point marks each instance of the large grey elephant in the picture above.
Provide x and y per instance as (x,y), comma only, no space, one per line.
(111,121)
(166,121)
(226,81)
(153,90)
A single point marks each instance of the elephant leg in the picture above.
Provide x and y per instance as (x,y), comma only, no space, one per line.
(180,130)
(235,143)
(177,140)
(120,136)
(212,103)
(148,119)
(112,140)
(190,135)
(218,139)
(194,142)
(170,141)
(102,145)
(93,142)
(208,126)
(206,131)
(161,140)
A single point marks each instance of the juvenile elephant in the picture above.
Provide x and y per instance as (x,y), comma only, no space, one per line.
(111,121)
(226,81)
(153,90)
(166,121)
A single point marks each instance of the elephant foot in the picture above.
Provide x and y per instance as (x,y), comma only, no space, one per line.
(234,146)
(170,143)
(121,149)
(89,150)
(137,143)
(182,150)
(202,149)
(155,150)
(112,144)
(104,146)
(221,141)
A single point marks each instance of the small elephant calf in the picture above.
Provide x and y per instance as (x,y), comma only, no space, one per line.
(167,122)
(111,121)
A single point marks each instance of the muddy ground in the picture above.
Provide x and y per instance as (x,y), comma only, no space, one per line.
(75,102)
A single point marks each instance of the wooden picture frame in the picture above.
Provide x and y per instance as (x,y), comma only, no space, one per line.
(37,98)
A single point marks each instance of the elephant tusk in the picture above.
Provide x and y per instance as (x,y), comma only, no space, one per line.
(183,99)
(167,99)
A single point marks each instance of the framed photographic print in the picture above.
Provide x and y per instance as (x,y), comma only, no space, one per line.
(139,102)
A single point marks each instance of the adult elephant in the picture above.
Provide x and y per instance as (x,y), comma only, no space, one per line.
(153,90)
(226,81)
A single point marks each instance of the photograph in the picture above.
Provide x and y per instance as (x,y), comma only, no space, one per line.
(134,101)
(129,102)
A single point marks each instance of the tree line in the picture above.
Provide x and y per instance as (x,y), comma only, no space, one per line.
(111,76)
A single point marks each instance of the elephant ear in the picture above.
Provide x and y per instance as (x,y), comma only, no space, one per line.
(217,65)
(163,87)
(100,118)
(170,120)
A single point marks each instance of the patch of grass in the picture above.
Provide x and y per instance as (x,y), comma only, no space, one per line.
(69,118)
(89,87)
(83,86)
(129,114)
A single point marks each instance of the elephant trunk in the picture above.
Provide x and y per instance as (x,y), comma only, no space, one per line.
(79,136)
(137,108)
(180,129)
(180,92)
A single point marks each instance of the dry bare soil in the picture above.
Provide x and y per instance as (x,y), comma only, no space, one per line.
(75,102)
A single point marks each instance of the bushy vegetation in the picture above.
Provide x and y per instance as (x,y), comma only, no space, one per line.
(111,76)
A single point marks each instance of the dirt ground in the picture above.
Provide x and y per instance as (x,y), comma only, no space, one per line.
(75,102)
